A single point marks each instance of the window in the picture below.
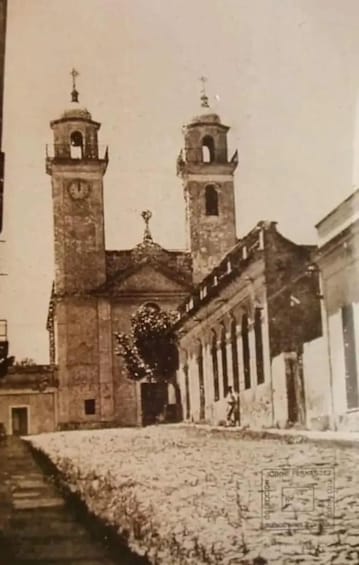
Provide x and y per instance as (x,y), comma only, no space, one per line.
(234,355)
(224,361)
(211,198)
(215,366)
(351,376)
(76,145)
(207,149)
(259,345)
(246,352)
(90,407)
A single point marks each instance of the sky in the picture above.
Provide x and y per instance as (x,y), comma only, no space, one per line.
(283,74)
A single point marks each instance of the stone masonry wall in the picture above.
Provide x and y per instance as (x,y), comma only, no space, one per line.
(210,237)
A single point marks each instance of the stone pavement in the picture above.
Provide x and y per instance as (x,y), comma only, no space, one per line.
(291,435)
(37,525)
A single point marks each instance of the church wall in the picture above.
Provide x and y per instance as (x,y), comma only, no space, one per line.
(78,359)
(127,394)
(79,233)
(105,340)
(127,408)
(210,236)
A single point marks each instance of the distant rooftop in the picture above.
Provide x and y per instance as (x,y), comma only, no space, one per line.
(338,219)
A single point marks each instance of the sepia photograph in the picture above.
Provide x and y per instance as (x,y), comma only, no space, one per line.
(179,282)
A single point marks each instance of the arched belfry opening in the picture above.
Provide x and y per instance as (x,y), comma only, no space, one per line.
(208,181)
(207,149)
(76,145)
(211,200)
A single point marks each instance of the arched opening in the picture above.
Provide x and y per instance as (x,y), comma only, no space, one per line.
(259,345)
(76,145)
(215,366)
(224,361)
(151,306)
(211,198)
(234,349)
(207,149)
(246,352)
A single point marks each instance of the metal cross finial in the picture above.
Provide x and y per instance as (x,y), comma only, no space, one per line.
(204,97)
(74,74)
(74,94)
(147,215)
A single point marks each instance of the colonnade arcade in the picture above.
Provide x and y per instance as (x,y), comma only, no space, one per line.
(230,351)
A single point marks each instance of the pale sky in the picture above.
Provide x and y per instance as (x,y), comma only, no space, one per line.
(287,76)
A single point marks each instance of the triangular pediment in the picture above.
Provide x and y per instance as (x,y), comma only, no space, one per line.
(148,277)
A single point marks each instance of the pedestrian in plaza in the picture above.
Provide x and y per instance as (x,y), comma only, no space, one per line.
(231,406)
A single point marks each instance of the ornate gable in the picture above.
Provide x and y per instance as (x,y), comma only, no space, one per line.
(147,277)
(147,269)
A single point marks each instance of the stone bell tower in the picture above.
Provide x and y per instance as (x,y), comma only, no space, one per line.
(77,167)
(81,324)
(207,176)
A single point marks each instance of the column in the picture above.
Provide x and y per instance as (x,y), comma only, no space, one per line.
(105,360)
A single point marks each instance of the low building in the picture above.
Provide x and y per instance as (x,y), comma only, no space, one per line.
(250,324)
(28,400)
(338,259)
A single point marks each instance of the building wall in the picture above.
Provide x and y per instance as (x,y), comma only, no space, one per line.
(210,237)
(317,385)
(240,297)
(280,399)
(79,229)
(34,387)
(293,294)
(41,407)
(126,392)
(338,258)
(345,419)
(265,273)
(127,403)
(78,359)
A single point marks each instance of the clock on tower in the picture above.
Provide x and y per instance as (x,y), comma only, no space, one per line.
(77,167)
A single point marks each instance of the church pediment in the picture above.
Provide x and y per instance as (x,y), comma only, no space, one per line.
(148,277)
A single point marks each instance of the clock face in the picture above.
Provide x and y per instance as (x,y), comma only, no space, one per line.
(79,189)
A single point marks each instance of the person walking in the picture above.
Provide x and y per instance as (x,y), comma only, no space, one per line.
(231,407)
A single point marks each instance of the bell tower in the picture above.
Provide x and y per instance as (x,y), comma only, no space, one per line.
(207,177)
(77,166)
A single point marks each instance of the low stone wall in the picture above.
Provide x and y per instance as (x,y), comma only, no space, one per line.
(104,533)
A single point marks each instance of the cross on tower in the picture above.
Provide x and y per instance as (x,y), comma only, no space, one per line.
(74,94)
(204,97)
(147,215)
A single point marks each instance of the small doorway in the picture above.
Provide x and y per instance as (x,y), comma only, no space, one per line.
(20,420)
(154,398)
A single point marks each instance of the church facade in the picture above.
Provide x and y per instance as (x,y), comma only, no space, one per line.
(96,291)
